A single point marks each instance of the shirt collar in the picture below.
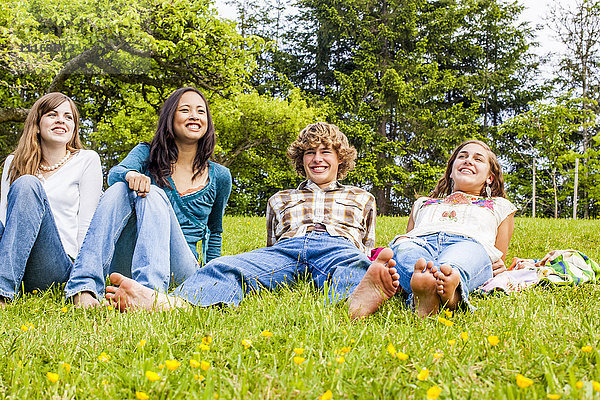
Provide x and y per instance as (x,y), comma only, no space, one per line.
(310,185)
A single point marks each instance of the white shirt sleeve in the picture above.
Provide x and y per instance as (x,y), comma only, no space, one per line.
(4,186)
(90,190)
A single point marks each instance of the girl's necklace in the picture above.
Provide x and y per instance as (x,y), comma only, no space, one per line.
(57,165)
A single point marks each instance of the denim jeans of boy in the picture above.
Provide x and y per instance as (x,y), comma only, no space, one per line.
(139,237)
(31,252)
(460,252)
(332,262)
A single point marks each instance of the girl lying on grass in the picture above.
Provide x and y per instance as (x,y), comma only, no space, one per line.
(456,239)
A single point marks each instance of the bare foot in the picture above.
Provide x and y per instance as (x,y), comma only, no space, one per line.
(379,284)
(424,285)
(85,300)
(2,302)
(448,280)
(129,294)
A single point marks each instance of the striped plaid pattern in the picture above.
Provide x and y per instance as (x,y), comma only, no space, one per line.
(345,211)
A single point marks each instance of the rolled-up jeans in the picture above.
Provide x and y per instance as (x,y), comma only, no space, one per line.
(31,252)
(333,263)
(139,237)
(463,253)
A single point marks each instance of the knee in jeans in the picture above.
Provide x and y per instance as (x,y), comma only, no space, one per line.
(25,184)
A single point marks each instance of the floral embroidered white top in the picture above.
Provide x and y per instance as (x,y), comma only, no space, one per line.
(461,214)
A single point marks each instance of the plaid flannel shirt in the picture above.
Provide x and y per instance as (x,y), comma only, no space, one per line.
(345,211)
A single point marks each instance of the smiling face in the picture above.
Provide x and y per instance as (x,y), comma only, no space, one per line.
(321,165)
(57,126)
(471,169)
(190,121)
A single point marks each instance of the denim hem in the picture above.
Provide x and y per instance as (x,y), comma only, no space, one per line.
(73,292)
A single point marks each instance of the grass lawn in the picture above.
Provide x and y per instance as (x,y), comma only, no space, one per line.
(288,344)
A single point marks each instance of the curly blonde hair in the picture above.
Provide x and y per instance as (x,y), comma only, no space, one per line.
(328,135)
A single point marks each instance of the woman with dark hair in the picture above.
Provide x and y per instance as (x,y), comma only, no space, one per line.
(50,189)
(163,214)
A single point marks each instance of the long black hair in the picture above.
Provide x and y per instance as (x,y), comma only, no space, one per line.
(163,150)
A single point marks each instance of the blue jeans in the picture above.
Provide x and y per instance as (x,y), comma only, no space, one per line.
(31,252)
(139,237)
(463,253)
(327,259)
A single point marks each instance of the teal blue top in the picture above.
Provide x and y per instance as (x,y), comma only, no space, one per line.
(200,214)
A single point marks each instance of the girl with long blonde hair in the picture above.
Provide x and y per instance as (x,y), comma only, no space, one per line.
(49,190)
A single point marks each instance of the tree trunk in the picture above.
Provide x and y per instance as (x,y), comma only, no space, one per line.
(533,188)
(575,184)
(555,190)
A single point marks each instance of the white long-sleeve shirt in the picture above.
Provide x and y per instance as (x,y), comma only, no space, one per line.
(73,192)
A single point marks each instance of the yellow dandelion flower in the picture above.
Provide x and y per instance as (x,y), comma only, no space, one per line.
(299,360)
(464,335)
(448,313)
(52,377)
(152,376)
(391,349)
(352,341)
(451,342)
(445,321)
(141,343)
(141,396)
(64,309)
(216,396)
(437,356)
(433,392)
(198,377)
(266,334)
(204,365)
(298,350)
(345,350)
(25,328)
(326,396)
(246,343)
(34,291)
(172,365)
(340,360)
(204,347)
(596,386)
(65,366)
(194,363)
(586,349)
(552,396)
(104,382)
(523,382)
(423,374)
(401,356)
(206,340)
(493,340)
(579,384)
(103,357)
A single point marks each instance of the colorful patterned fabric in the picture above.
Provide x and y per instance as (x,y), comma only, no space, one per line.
(559,267)
(345,211)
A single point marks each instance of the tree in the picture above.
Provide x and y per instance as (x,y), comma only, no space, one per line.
(577,26)
(545,136)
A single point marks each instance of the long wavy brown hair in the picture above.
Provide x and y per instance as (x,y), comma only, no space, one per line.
(28,154)
(445,185)
(163,149)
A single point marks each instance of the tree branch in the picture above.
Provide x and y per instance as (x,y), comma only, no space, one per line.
(71,66)
(13,114)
